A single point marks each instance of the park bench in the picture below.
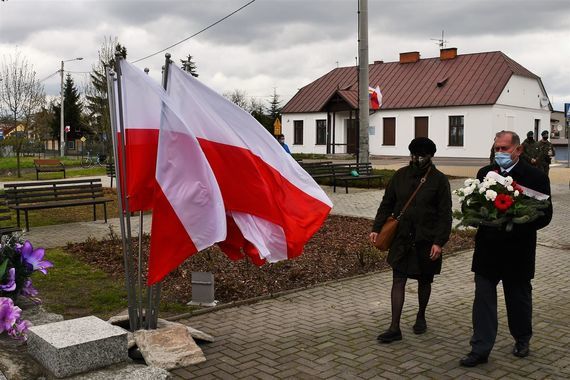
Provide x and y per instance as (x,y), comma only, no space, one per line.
(48,166)
(6,214)
(26,196)
(317,170)
(344,173)
(111,171)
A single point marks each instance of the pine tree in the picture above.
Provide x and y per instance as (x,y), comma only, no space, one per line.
(189,66)
(274,106)
(97,103)
(73,110)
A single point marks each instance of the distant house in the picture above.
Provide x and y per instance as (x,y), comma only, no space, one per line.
(459,101)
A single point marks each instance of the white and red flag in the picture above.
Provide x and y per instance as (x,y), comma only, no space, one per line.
(375,97)
(188,210)
(141,121)
(272,205)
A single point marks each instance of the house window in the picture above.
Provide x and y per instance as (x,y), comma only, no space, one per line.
(321,127)
(389,131)
(71,144)
(421,126)
(298,132)
(456,131)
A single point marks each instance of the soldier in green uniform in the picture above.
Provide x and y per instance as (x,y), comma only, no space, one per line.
(546,152)
(531,151)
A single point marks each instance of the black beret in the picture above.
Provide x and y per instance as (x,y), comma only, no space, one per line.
(421,146)
(544,133)
(529,133)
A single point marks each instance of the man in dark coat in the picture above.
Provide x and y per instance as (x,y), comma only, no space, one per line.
(508,257)
(423,230)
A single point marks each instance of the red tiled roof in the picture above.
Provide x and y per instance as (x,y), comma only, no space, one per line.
(469,79)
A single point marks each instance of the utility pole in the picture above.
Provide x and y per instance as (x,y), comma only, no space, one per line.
(363,103)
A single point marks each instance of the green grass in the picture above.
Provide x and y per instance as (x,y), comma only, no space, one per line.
(73,288)
(30,174)
(376,183)
(10,163)
(308,156)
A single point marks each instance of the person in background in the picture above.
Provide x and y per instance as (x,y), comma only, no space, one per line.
(507,257)
(546,152)
(531,150)
(281,139)
(423,230)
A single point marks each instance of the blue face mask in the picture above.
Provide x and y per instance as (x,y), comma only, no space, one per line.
(504,160)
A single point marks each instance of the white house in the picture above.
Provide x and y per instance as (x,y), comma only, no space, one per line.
(458,101)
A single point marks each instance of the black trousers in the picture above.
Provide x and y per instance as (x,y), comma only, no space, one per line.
(518,299)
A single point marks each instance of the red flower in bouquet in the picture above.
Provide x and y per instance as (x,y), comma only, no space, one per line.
(503,202)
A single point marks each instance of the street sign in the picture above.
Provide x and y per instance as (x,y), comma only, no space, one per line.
(83,139)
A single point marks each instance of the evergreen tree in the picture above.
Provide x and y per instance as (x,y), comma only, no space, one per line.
(189,66)
(274,106)
(73,109)
(97,103)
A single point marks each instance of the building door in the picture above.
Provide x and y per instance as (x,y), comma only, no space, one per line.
(421,126)
(351,135)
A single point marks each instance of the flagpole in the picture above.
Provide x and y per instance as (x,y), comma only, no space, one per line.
(124,214)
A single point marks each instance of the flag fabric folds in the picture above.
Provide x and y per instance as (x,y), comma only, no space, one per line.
(188,212)
(375,97)
(216,176)
(272,205)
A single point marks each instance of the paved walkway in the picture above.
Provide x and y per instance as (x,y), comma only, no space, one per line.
(330,331)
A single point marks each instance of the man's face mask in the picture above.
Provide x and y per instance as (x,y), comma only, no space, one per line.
(282,141)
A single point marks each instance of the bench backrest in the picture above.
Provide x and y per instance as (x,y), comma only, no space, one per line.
(49,191)
(318,168)
(5,212)
(110,169)
(48,163)
(363,168)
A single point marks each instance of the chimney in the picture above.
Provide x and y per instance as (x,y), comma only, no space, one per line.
(378,62)
(410,57)
(446,54)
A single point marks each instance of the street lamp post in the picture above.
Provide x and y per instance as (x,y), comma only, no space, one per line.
(61,117)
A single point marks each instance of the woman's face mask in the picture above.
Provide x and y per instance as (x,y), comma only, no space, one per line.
(421,161)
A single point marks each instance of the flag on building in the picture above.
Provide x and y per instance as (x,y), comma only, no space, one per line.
(375,97)
(272,205)
(188,210)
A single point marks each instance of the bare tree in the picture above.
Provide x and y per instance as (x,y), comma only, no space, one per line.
(22,95)
(239,98)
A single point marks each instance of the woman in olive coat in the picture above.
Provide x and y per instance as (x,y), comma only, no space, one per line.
(423,230)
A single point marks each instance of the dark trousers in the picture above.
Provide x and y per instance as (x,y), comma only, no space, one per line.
(518,299)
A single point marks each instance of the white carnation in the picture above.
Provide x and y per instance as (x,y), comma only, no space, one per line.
(468,181)
(510,188)
(508,181)
(516,193)
(482,189)
(468,190)
(490,195)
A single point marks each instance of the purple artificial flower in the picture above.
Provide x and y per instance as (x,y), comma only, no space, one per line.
(29,291)
(9,314)
(34,258)
(20,329)
(10,286)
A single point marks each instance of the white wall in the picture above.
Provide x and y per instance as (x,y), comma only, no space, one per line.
(522,92)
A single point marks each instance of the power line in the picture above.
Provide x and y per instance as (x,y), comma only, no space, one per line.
(195,34)
(49,76)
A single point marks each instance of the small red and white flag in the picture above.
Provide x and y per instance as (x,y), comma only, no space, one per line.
(375,97)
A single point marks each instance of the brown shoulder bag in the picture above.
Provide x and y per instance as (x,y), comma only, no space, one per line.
(386,235)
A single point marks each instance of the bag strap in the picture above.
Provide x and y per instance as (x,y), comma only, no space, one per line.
(422,181)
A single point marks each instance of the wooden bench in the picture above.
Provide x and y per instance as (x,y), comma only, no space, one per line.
(344,173)
(317,170)
(111,171)
(48,166)
(6,214)
(26,196)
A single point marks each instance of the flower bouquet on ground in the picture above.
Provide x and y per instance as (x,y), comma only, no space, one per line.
(498,201)
(18,261)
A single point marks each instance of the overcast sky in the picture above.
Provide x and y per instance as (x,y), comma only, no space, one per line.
(284,44)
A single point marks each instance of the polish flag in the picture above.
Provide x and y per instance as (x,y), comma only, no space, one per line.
(272,205)
(141,120)
(375,97)
(188,210)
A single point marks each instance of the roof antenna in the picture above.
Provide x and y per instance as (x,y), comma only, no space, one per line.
(440,42)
